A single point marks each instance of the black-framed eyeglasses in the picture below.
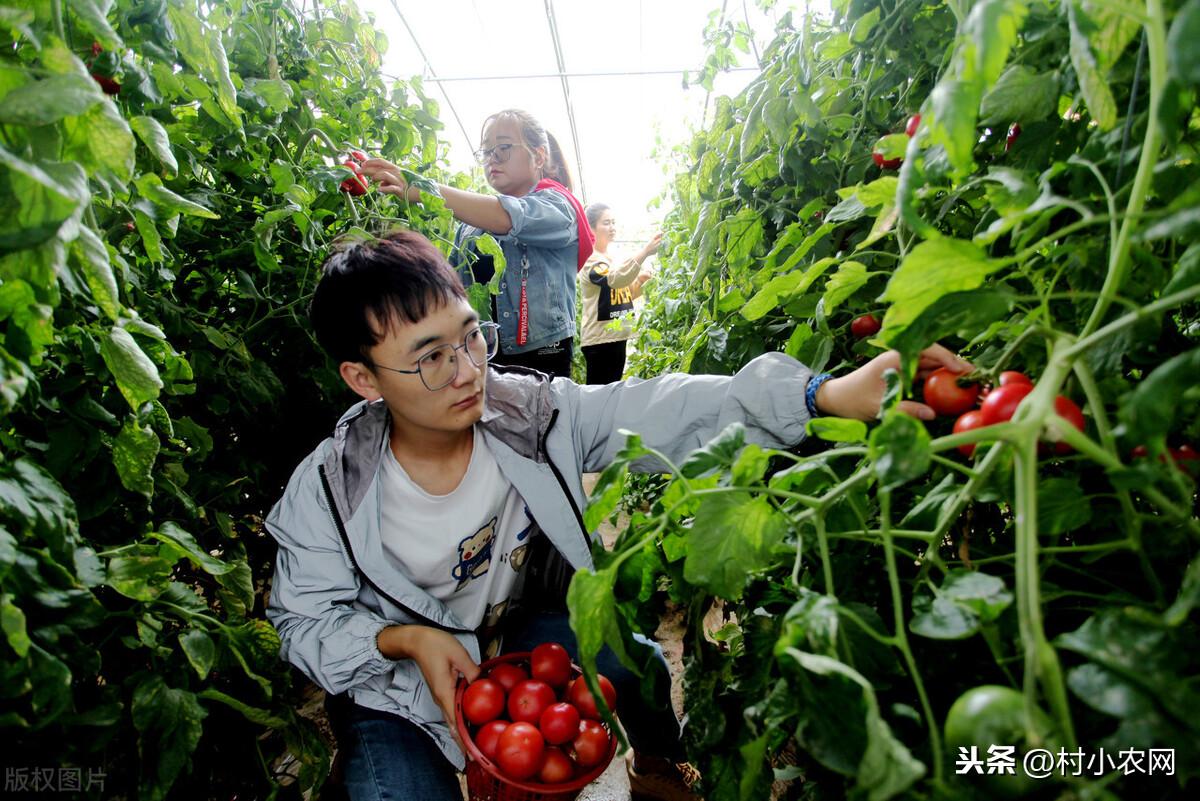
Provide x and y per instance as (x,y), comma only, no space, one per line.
(499,153)
(439,366)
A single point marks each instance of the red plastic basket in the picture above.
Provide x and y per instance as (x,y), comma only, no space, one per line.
(485,782)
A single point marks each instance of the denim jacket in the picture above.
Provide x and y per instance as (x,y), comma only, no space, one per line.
(334,590)
(545,236)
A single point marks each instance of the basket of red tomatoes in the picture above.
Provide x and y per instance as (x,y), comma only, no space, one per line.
(532,727)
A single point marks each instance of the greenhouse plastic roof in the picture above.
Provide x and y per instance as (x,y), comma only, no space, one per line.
(605,78)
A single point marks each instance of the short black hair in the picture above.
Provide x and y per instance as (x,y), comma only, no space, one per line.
(400,276)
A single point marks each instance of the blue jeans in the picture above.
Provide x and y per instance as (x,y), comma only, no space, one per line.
(388,757)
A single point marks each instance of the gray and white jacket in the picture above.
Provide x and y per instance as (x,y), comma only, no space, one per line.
(334,590)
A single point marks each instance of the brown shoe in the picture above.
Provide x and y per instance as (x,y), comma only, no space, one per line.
(661,780)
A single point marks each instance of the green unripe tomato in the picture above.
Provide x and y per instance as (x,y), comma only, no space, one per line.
(995,715)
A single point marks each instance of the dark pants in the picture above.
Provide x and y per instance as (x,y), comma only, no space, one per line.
(386,756)
(553,359)
(605,362)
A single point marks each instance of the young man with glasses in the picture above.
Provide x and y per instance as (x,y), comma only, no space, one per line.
(445,509)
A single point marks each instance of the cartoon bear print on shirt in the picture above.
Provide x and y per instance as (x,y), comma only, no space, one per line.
(516,559)
(475,554)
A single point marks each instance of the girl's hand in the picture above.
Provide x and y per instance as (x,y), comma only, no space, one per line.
(390,179)
(441,659)
(859,394)
(652,246)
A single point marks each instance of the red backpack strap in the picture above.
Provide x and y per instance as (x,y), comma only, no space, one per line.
(587,238)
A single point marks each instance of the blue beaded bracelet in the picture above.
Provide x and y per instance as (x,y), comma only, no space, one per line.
(810,394)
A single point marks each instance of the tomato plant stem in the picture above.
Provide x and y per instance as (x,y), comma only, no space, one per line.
(1156,38)
(900,633)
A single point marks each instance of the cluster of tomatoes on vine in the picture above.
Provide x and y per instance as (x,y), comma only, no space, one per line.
(950,396)
(552,731)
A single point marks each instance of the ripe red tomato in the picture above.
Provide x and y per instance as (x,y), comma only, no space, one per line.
(914,122)
(528,699)
(519,751)
(944,395)
(483,701)
(1186,459)
(559,723)
(356,184)
(358,155)
(1065,408)
(1014,132)
(550,663)
(864,326)
(591,744)
(110,85)
(508,675)
(556,767)
(1013,377)
(488,738)
(1001,403)
(968,422)
(579,695)
(886,164)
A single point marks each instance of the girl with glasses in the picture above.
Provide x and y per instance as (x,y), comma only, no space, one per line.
(541,228)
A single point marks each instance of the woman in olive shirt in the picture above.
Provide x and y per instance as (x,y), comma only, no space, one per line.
(608,293)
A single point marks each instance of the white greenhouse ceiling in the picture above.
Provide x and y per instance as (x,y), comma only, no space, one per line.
(605,78)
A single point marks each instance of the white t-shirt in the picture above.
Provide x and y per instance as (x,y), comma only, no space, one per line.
(465,548)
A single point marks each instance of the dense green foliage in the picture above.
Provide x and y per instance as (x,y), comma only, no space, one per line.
(872,579)
(157,384)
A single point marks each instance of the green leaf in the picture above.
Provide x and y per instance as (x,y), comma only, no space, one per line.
(134,452)
(100,140)
(963,314)
(841,727)
(142,577)
(940,618)
(933,269)
(203,50)
(186,543)
(151,187)
(606,495)
(718,453)
(154,136)
(33,502)
(90,253)
(169,723)
(199,649)
(94,16)
(49,100)
(1062,506)
(983,595)
(1092,82)
(253,714)
(12,620)
(837,429)
(954,104)
(899,448)
(732,538)
(1150,411)
(275,93)
(1020,95)
(593,614)
(849,278)
(34,202)
(1183,58)
(136,375)
(52,696)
